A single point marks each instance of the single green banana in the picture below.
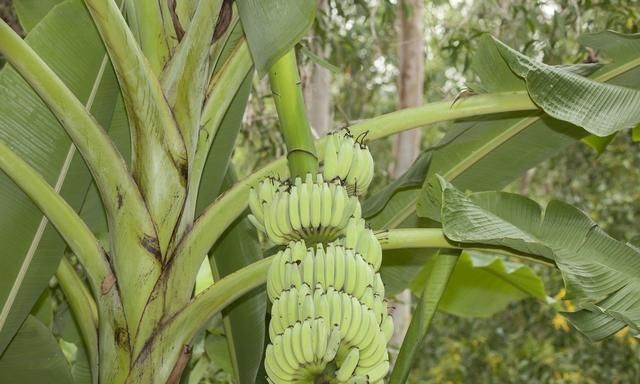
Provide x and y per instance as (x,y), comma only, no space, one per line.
(274,369)
(308,307)
(321,302)
(351,270)
(333,343)
(316,206)
(322,339)
(339,205)
(367,328)
(294,210)
(305,206)
(330,168)
(296,342)
(345,157)
(367,297)
(283,220)
(256,223)
(377,373)
(348,366)
(327,206)
(335,305)
(298,251)
(318,266)
(307,268)
(347,315)
(330,266)
(378,286)
(340,268)
(356,320)
(306,340)
(255,204)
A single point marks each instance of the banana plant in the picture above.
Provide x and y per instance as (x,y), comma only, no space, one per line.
(116,143)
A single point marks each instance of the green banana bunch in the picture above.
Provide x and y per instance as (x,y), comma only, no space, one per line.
(312,210)
(329,316)
(348,158)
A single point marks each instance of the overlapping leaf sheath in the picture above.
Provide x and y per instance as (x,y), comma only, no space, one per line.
(329,317)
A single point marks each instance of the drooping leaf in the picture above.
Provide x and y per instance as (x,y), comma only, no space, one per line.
(601,274)
(600,108)
(497,150)
(482,285)
(441,267)
(35,134)
(273,27)
(33,356)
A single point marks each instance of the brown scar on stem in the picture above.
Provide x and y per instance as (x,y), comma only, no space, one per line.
(107,283)
(122,338)
(151,244)
(119,197)
(174,19)
(224,19)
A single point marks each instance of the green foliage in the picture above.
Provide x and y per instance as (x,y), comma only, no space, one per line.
(527,343)
(483,285)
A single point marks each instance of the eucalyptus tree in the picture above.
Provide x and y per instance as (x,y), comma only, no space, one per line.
(115,142)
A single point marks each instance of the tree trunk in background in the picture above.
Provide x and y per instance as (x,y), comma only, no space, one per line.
(318,99)
(317,87)
(407,145)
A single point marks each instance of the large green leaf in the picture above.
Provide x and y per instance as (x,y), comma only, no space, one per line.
(482,285)
(30,256)
(244,319)
(33,356)
(441,267)
(222,147)
(30,12)
(273,27)
(600,108)
(237,248)
(601,274)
